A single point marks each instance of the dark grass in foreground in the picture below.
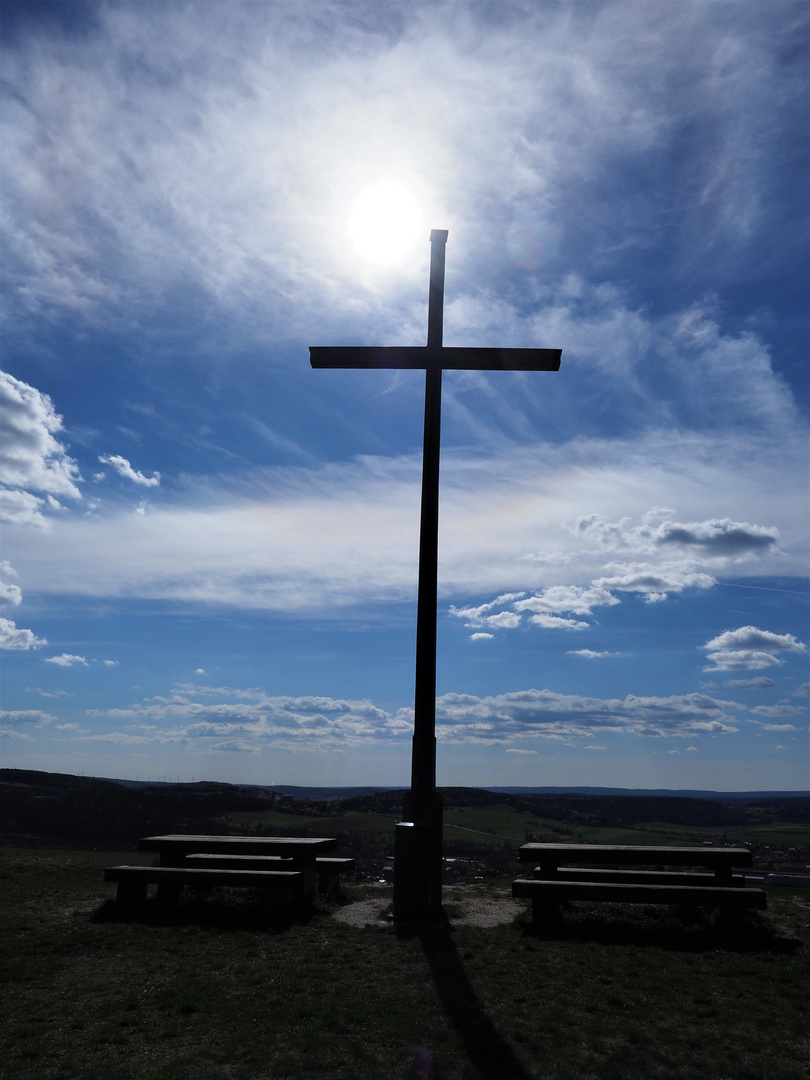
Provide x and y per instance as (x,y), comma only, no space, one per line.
(216,991)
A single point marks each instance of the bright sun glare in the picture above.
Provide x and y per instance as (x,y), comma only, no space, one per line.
(384,222)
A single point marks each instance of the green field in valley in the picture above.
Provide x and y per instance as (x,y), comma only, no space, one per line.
(499,824)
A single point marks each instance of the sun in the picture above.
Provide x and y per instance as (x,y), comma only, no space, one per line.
(384,222)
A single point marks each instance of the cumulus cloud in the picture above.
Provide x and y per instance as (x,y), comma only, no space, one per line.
(748,649)
(10,594)
(567,598)
(715,540)
(776,710)
(588,654)
(209,716)
(66,660)
(718,537)
(545,714)
(654,582)
(761,682)
(482,615)
(12,637)
(254,718)
(25,716)
(556,622)
(31,456)
(123,468)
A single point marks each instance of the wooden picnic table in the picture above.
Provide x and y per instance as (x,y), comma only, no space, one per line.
(174,850)
(550,857)
(594,876)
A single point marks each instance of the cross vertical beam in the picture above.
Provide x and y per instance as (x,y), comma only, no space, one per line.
(418,839)
(423,760)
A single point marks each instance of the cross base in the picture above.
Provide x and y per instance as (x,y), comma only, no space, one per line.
(418,862)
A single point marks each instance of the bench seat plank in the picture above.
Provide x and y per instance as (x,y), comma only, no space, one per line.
(183,875)
(693,895)
(133,880)
(635,877)
(635,854)
(239,862)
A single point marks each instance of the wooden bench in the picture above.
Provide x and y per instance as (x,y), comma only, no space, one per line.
(328,869)
(550,884)
(278,887)
(176,849)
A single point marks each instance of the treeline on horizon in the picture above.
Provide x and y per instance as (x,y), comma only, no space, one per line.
(40,809)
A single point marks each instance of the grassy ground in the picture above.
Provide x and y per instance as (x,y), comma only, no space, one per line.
(217,993)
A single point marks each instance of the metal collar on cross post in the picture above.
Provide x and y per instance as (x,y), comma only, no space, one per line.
(418,838)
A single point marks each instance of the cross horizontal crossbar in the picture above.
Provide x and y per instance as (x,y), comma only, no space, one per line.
(421,357)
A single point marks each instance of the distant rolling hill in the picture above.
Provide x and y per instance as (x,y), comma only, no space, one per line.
(40,809)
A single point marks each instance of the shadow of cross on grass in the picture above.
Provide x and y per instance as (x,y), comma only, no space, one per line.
(485,1047)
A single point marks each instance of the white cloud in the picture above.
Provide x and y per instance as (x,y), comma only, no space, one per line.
(567,598)
(66,660)
(655,582)
(110,663)
(545,714)
(23,508)
(25,716)
(719,537)
(589,654)
(311,104)
(479,636)
(748,649)
(742,660)
(256,719)
(749,637)
(777,710)
(31,457)
(803,690)
(11,637)
(123,468)
(555,622)
(210,716)
(761,682)
(10,595)
(320,539)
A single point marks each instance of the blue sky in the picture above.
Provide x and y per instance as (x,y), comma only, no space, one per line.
(210,550)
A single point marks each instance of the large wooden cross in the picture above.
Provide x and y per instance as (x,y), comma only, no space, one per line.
(418,839)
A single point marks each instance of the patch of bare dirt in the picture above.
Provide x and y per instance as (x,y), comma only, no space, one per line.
(464,906)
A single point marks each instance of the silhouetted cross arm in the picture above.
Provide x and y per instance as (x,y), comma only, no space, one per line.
(421,357)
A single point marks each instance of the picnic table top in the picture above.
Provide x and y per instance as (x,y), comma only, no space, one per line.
(245,845)
(636,853)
